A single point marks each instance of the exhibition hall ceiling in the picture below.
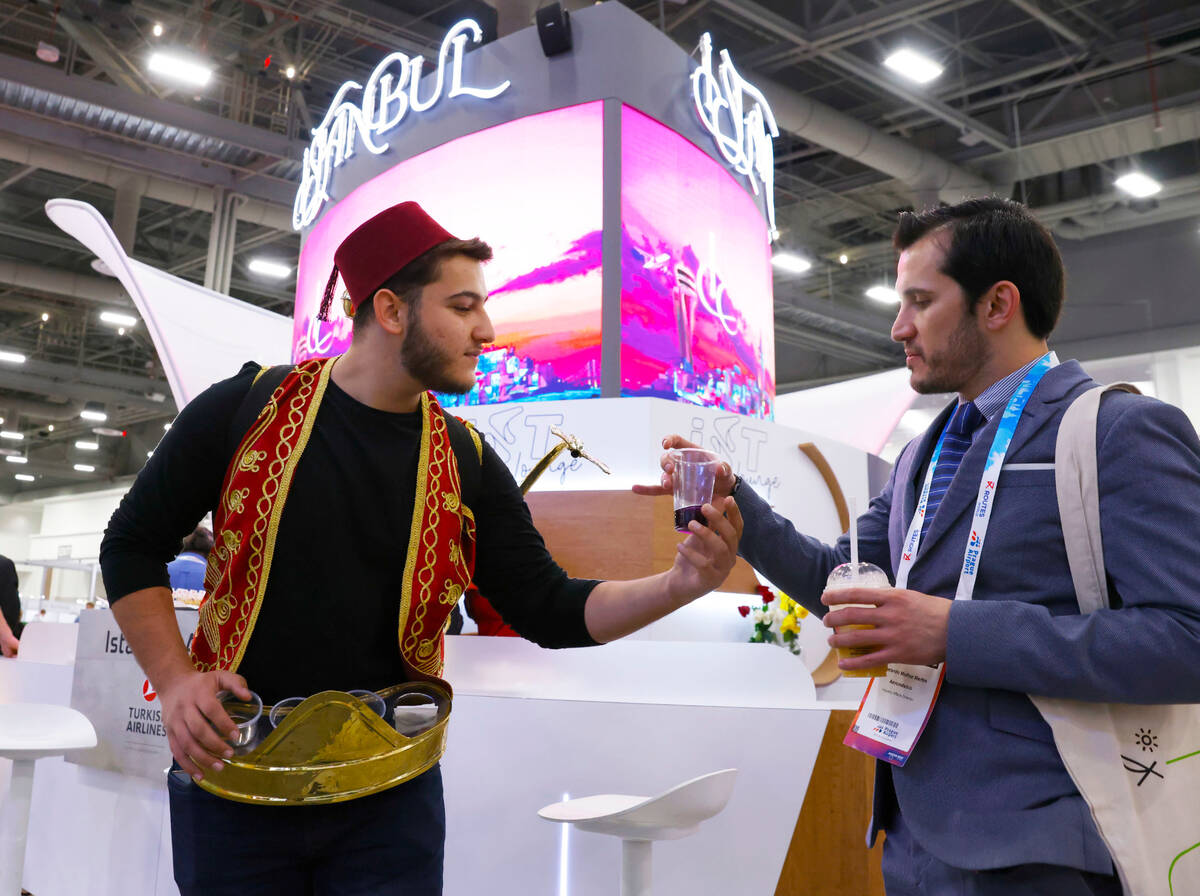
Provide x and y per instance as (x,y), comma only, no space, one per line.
(1046,101)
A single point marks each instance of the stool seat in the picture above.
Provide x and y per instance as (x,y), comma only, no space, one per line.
(34,730)
(29,732)
(638,820)
(672,814)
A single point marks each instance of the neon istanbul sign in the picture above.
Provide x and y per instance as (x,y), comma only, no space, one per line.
(737,115)
(387,97)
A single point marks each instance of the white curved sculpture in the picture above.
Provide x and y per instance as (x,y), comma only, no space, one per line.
(201,336)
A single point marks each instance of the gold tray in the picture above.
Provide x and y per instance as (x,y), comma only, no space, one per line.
(331,748)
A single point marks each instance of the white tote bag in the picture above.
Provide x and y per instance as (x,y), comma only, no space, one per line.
(1138,767)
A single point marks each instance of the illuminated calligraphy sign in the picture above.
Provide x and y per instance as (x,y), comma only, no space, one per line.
(741,122)
(390,92)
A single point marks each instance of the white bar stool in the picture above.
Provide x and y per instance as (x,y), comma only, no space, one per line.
(640,820)
(29,732)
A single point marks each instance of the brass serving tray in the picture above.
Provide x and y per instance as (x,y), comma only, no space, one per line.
(332,748)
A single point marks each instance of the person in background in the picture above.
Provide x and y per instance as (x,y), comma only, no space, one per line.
(187,570)
(984,804)
(10,608)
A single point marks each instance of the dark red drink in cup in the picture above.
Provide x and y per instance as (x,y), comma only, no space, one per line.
(694,475)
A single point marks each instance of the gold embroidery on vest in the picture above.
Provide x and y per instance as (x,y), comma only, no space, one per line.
(250,460)
(234,502)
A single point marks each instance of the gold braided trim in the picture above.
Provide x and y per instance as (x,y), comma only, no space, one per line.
(282,470)
(435,572)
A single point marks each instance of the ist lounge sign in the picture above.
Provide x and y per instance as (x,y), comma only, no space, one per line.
(392,90)
(737,115)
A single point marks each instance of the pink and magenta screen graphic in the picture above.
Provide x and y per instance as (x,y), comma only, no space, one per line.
(696,305)
(531,188)
(697,318)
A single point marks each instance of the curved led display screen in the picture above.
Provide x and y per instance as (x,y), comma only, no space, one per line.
(697,317)
(695,279)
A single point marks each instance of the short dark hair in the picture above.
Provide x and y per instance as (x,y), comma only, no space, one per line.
(992,240)
(408,282)
(199,542)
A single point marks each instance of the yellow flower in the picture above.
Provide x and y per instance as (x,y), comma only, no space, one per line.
(791,606)
(789,624)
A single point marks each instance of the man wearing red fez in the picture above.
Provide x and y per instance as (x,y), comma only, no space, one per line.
(350,512)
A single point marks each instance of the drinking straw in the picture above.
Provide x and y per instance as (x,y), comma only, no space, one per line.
(853,540)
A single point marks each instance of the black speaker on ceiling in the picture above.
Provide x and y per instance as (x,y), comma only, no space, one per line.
(554,29)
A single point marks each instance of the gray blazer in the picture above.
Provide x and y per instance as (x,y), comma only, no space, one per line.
(984,787)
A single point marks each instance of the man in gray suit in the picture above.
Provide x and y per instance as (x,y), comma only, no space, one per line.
(984,804)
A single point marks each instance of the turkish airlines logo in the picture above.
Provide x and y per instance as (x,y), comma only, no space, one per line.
(148,692)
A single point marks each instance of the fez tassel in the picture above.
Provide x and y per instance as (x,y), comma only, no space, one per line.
(327,297)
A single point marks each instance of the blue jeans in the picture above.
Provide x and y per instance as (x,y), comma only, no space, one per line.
(387,844)
(910,870)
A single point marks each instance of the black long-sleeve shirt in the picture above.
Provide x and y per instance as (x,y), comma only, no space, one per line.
(329,618)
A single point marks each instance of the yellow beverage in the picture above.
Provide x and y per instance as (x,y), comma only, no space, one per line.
(867,575)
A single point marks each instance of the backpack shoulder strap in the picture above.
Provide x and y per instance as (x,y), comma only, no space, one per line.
(266,381)
(1076,482)
(468,451)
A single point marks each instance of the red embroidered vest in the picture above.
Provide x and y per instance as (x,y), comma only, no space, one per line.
(441,546)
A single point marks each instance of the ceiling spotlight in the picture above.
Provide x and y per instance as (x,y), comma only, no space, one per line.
(158,29)
(290,72)
(166,426)
(85,468)
(913,65)
(884,294)
(12,357)
(45,317)
(180,68)
(269,268)
(1137,184)
(117,319)
(50,428)
(24,477)
(93,411)
(47,52)
(843,258)
(790,262)
(87,446)
(16,459)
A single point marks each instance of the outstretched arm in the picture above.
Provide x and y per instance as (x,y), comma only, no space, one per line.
(702,562)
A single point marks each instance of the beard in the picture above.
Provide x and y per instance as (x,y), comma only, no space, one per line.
(429,363)
(952,368)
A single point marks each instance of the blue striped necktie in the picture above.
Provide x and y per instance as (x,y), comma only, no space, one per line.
(964,421)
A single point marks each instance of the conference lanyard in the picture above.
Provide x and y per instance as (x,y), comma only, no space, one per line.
(896,708)
(987,486)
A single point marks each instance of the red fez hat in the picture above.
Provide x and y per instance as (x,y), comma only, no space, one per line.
(380,247)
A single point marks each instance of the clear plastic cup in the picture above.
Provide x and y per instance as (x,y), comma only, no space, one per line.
(282,709)
(413,712)
(694,477)
(865,575)
(245,714)
(373,700)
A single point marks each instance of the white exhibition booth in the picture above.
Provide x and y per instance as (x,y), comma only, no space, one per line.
(530,727)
